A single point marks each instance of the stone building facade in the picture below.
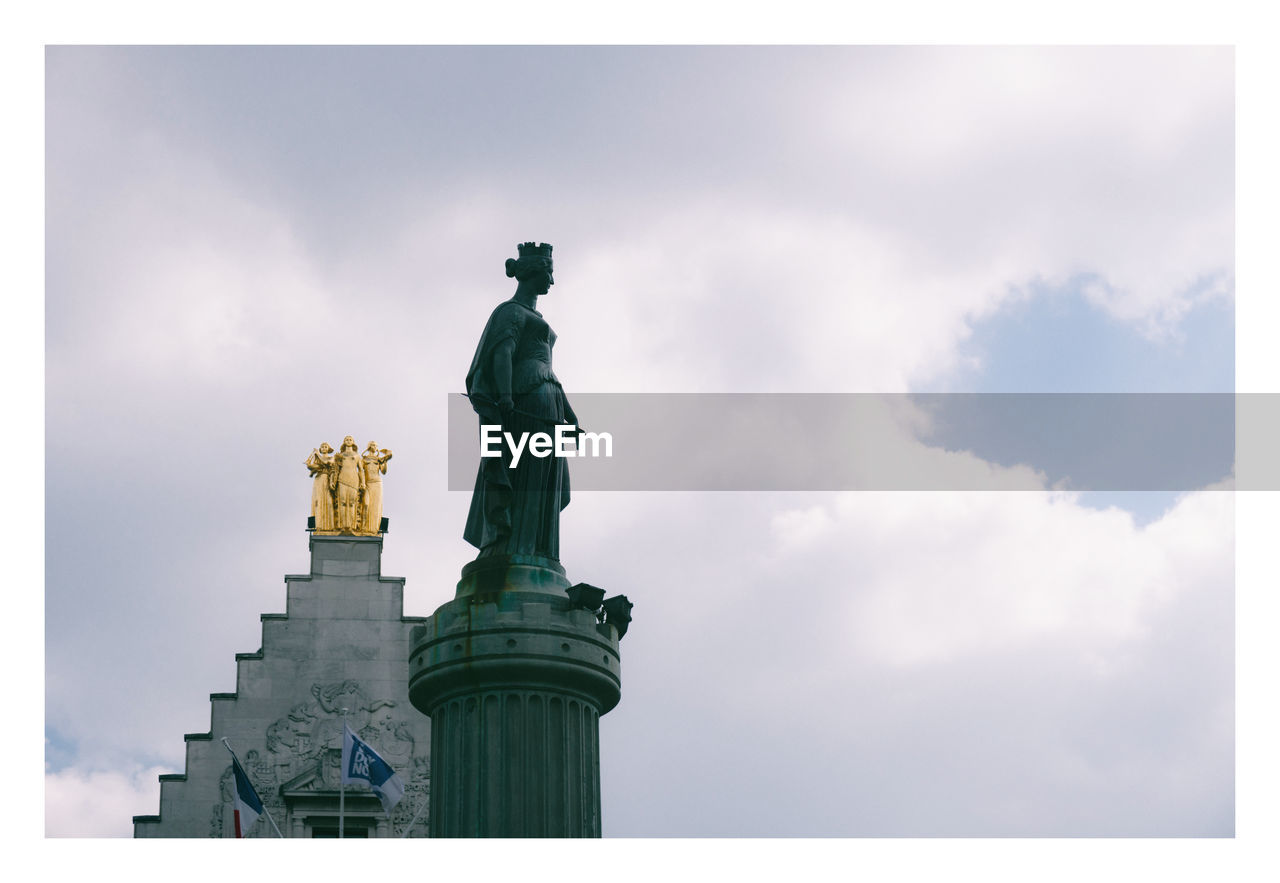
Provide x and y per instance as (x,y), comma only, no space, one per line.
(342,642)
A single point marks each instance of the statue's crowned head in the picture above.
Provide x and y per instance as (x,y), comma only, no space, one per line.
(534,261)
(530,250)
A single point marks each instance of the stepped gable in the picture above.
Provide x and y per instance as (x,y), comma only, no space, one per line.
(342,642)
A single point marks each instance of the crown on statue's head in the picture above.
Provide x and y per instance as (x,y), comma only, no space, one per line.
(530,250)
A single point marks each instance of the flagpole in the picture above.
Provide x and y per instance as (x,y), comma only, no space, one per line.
(264,806)
(342,775)
(422,804)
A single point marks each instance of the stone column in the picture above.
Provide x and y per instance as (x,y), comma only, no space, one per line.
(515,680)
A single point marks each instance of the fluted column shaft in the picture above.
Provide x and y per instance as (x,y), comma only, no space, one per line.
(516,764)
(515,680)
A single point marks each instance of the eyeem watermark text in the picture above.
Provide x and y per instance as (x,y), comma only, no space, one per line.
(569,441)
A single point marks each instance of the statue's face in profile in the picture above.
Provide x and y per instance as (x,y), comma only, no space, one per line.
(545,279)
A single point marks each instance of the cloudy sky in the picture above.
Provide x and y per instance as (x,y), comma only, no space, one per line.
(253,250)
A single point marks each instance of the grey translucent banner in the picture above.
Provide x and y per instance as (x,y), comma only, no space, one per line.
(961,441)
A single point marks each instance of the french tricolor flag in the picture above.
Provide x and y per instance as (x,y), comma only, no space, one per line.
(245,801)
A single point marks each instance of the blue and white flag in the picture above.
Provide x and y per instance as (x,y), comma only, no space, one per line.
(244,800)
(362,763)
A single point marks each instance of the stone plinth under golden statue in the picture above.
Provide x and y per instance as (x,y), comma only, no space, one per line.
(346,488)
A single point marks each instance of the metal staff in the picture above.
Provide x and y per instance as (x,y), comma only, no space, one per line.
(342,775)
(266,811)
(422,804)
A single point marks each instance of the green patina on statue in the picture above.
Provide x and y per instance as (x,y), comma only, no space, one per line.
(515,510)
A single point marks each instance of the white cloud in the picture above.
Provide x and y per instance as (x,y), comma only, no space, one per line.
(959,574)
(98,803)
(736,297)
(903,663)
(1048,164)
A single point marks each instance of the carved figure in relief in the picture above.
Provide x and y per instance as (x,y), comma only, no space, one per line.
(335,697)
(375,466)
(280,737)
(320,465)
(301,713)
(331,768)
(392,737)
(261,769)
(225,784)
(348,481)
(421,768)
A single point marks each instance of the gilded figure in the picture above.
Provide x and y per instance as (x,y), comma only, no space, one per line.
(375,466)
(320,465)
(348,480)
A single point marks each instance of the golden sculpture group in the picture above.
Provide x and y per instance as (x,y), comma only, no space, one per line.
(346,488)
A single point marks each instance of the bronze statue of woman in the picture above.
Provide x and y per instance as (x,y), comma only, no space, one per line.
(515,510)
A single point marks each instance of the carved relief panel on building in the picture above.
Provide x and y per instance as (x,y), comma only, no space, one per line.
(300,756)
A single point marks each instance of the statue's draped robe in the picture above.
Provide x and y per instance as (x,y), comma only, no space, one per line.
(372,516)
(321,499)
(350,481)
(517,510)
